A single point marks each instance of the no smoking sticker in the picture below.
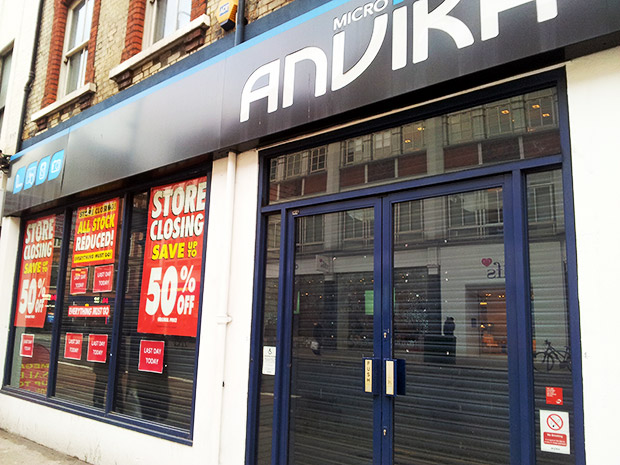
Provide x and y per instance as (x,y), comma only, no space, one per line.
(554,432)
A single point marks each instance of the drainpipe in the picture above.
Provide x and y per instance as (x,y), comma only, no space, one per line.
(31,74)
(240,30)
(222,318)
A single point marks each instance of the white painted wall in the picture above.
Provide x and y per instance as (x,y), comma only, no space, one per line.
(220,412)
(594,103)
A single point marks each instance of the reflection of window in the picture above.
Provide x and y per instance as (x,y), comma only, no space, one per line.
(76,45)
(273,233)
(5,68)
(413,137)
(357,227)
(293,165)
(542,203)
(355,150)
(273,168)
(517,115)
(408,220)
(168,16)
(310,230)
(475,214)
(541,109)
(317,159)
(460,127)
(298,164)
(385,143)
(500,118)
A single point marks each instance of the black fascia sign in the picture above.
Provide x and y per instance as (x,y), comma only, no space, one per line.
(340,57)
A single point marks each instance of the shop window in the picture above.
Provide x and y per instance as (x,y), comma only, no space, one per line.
(161,392)
(551,342)
(165,17)
(122,340)
(88,307)
(75,53)
(5,69)
(268,359)
(516,128)
(36,304)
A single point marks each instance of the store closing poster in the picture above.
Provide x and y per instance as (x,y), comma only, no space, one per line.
(172,259)
(35,273)
(95,234)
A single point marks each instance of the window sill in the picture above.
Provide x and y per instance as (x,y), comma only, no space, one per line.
(68,99)
(136,61)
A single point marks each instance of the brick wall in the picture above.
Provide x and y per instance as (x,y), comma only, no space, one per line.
(117,36)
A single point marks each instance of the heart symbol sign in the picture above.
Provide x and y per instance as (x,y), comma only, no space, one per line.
(486,261)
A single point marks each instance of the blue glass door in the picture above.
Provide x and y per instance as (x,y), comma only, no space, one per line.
(400,331)
(333,323)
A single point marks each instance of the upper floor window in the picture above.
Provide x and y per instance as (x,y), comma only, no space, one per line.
(167,16)
(5,69)
(77,36)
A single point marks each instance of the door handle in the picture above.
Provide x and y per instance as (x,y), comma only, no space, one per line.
(371,376)
(395,377)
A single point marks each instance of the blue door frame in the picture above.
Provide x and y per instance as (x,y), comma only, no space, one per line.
(509,175)
(519,351)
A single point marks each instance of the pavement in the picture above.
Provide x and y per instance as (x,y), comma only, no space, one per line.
(15,450)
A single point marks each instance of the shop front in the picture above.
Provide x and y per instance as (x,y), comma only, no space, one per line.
(350,240)
(416,270)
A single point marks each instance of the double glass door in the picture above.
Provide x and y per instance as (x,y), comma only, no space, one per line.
(400,331)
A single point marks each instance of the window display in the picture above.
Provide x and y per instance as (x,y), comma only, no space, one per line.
(133,354)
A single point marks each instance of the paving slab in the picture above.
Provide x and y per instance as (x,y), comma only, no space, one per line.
(15,450)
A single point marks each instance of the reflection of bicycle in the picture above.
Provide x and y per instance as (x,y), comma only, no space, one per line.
(544,360)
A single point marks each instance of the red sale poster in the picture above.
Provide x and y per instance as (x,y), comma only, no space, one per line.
(73,346)
(79,280)
(151,356)
(95,234)
(97,348)
(104,278)
(26,348)
(35,273)
(172,259)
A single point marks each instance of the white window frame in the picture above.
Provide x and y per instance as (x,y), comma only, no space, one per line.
(80,47)
(4,80)
(150,22)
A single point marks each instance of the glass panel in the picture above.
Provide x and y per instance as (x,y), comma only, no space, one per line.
(86,325)
(171,15)
(76,69)
(268,351)
(330,416)
(450,328)
(164,267)
(36,303)
(553,385)
(521,127)
(77,30)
